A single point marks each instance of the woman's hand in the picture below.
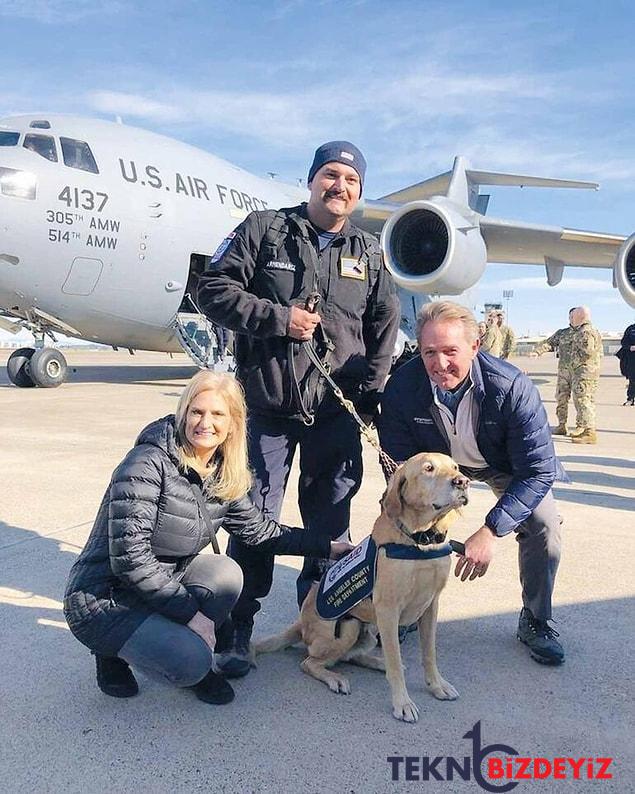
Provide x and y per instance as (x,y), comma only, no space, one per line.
(339,548)
(204,627)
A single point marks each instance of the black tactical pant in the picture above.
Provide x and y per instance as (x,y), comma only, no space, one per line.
(330,475)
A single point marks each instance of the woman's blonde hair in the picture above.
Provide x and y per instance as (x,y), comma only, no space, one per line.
(227,477)
(447,311)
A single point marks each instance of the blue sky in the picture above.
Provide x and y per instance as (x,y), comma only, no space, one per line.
(546,88)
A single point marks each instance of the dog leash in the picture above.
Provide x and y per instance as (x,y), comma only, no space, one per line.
(387,462)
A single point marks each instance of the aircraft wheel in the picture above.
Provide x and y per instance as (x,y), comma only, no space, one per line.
(19,367)
(48,367)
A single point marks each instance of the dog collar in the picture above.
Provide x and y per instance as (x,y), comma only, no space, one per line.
(420,538)
(399,551)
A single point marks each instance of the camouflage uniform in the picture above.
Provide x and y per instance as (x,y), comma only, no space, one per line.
(579,352)
(586,359)
(492,340)
(509,341)
(561,342)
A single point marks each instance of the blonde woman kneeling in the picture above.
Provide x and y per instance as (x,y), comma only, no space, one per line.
(141,593)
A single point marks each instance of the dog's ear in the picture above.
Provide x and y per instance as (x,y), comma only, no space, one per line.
(392,500)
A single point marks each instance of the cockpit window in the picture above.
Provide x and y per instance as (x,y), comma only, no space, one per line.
(77,154)
(9,138)
(44,145)
(40,125)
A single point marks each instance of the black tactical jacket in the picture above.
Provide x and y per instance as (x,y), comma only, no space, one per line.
(147,530)
(261,274)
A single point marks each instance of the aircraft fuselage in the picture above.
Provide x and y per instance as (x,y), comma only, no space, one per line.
(109,253)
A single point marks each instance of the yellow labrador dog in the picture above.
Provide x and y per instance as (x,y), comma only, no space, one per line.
(419,505)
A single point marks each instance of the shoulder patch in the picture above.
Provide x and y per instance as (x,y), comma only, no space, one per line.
(222,248)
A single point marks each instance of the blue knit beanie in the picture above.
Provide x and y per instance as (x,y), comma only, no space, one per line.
(339,152)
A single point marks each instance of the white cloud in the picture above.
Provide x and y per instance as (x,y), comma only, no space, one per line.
(262,116)
(114,102)
(419,102)
(425,96)
(422,116)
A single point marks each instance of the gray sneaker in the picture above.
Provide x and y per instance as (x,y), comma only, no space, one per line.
(237,660)
(540,638)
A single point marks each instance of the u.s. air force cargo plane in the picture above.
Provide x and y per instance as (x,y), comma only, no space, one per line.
(104,229)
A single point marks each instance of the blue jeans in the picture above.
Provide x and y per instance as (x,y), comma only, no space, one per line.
(170,651)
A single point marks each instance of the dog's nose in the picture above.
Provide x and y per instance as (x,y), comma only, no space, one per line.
(461,482)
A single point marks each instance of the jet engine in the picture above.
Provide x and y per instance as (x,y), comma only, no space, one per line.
(624,271)
(431,247)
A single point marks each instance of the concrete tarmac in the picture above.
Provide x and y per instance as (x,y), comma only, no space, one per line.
(286,732)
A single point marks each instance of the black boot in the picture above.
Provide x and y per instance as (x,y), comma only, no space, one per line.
(114,677)
(540,638)
(235,659)
(214,689)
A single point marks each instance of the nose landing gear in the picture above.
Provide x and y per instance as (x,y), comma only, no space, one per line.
(45,367)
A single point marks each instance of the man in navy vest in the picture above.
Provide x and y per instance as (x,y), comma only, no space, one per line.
(489,417)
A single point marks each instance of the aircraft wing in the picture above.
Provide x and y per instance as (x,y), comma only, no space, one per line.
(437,238)
(517,243)
(532,244)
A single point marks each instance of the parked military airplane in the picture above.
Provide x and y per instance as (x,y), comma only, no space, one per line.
(104,229)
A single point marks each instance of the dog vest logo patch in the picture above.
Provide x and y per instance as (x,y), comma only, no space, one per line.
(347,582)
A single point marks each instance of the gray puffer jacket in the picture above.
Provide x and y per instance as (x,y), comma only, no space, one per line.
(148,529)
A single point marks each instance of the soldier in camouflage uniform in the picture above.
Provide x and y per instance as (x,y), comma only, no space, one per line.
(560,343)
(579,352)
(586,359)
(508,337)
(492,339)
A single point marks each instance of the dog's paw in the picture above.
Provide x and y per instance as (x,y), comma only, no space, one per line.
(405,710)
(442,690)
(339,685)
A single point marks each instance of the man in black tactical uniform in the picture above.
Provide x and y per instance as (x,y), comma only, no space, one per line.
(287,279)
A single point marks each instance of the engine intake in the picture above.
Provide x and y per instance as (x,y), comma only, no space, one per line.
(624,271)
(419,242)
(430,247)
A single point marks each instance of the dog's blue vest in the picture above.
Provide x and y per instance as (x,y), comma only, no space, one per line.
(352,579)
